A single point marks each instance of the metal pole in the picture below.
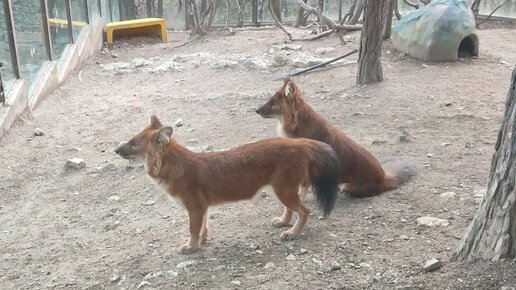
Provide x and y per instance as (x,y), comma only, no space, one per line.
(69,18)
(120,11)
(254,15)
(86,12)
(110,2)
(11,37)
(100,7)
(46,29)
(340,10)
(187,14)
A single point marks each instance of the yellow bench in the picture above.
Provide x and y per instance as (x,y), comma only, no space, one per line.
(137,27)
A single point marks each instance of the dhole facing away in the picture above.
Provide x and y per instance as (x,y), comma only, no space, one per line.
(361,173)
(200,180)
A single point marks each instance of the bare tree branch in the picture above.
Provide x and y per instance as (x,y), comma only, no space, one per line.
(328,21)
(413,5)
(489,16)
(278,23)
(397,10)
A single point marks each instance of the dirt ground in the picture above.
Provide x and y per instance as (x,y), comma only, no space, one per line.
(107,226)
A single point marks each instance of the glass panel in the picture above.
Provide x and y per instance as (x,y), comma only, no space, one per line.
(264,14)
(174,18)
(78,17)
(507,10)
(93,9)
(5,56)
(106,13)
(58,24)
(29,37)
(116,10)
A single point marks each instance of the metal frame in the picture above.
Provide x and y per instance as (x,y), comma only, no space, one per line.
(254,12)
(69,19)
(99,4)
(86,11)
(46,29)
(11,37)
(110,3)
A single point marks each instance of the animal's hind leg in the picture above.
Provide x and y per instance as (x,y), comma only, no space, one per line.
(290,198)
(284,219)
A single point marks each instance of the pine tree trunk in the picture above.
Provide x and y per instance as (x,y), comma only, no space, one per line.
(369,60)
(492,233)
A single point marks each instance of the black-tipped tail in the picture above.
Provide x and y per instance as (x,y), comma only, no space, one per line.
(325,177)
(397,172)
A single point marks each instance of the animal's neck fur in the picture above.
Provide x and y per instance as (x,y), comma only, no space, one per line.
(167,162)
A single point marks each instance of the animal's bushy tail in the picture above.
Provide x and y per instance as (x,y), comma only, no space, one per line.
(397,172)
(325,176)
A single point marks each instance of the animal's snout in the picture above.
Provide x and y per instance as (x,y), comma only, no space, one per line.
(259,111)
(119,148)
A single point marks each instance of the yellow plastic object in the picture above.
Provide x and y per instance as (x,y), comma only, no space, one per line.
(142,26)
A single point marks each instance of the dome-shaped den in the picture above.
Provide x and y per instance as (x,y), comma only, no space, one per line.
(444,30)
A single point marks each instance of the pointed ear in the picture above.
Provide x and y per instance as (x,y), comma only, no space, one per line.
(155,123)
(290,89)
(164,135)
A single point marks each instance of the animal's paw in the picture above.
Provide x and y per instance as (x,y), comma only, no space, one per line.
(279,222)
(288,235)
(186,249)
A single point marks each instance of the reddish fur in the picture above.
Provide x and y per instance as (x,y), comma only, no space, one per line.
(361,172)
(200,180)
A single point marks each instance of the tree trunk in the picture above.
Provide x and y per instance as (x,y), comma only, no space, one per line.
(358,12)
(389,11)
(275,7)
(396,9)
(369,60)
(148,5)
(475,7)
(492,233)
(300,19)
(160,8)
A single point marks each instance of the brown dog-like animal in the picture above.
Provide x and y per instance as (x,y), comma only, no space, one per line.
(200,180)
(361,173)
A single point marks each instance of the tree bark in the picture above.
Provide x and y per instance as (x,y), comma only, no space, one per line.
(389,11)
(369,60)
(492,233)
(160,8)
(475,7)
(300,19)
(275,7)
(148,5)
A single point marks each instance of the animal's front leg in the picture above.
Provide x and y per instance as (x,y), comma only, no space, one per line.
(196,220)
(204,228)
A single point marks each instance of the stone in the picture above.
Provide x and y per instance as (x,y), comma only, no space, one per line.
(432,222)
(439,31)
(236,283)
(114,197)
(280,60)
(200,149)
(113,278)
(150,202)
(117,67)
(106,166)
(139,62)
(335,266)
(166,66)
(38,132)
(447,195)
(114,55)
(178,123)
(365,265)
(324,50)
(269,265)
(432,265)
(303,251)
(185,264)
(403,237)
(74,164)
(291,257)
(143,284)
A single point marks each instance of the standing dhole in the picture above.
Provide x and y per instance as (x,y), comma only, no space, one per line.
(361,173)
(200,180)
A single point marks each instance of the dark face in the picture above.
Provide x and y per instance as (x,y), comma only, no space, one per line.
(147,140)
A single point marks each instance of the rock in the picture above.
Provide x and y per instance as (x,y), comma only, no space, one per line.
(178,123)
(117,67)
(113,278)
(324,50)
(236,282)
(335,266)
(150,202)
(291,257)
(365,265)
(269,265)
(114,197)
(166,66)
(303,251)
(431,222)
(436,31)
(255,63)
(280,60)
(378,142)
(304,60)
(279,47)
(106,166)
(185,264)
(192,142)
(139,62)
(143,284)
(264,193)
(38,132)
(403,237)
(74,164)
(432,264)
(114,55)
(447,195)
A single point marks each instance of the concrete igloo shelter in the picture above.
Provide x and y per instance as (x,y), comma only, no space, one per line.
(443,30)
